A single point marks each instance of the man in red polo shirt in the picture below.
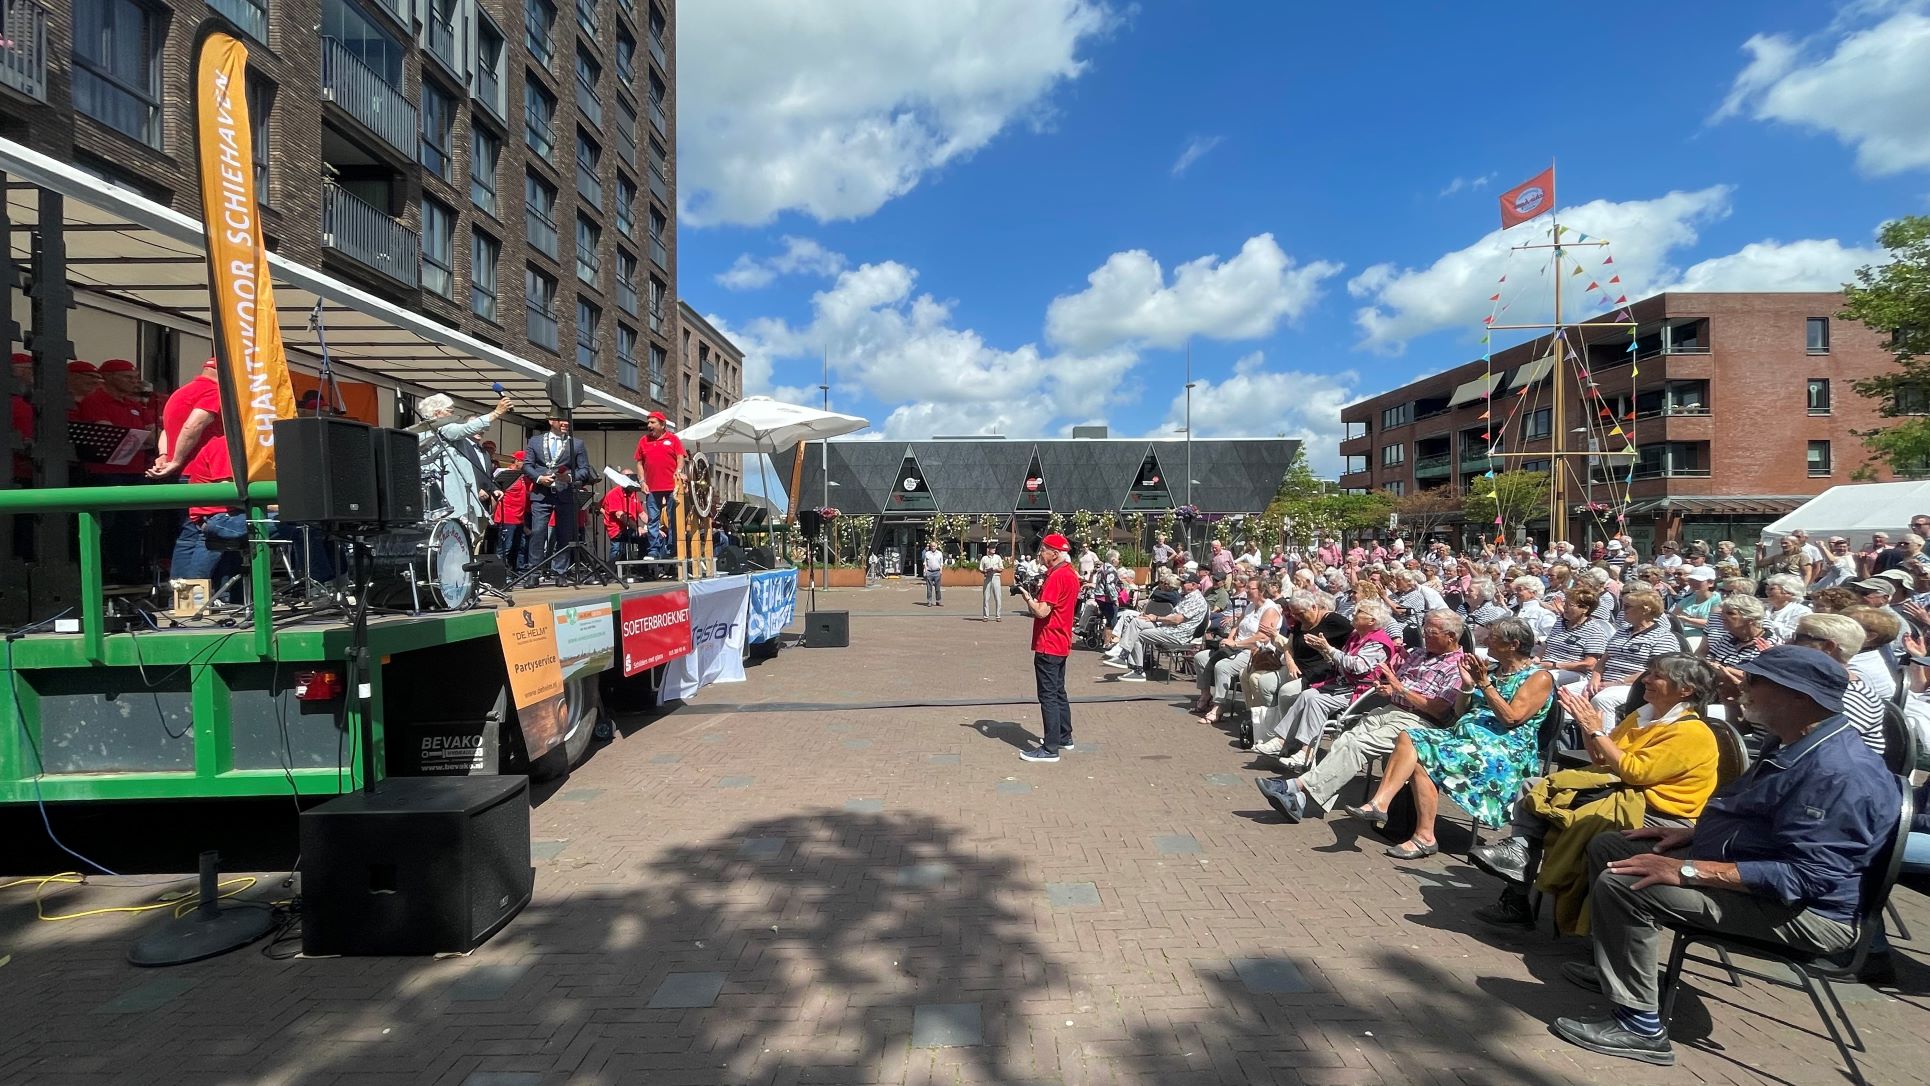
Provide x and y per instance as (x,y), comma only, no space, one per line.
(1052,613)
(512,517)
(623,516)
(118,402)
(195,446)
(660,464)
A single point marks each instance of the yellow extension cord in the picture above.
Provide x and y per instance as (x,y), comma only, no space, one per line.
(241,884)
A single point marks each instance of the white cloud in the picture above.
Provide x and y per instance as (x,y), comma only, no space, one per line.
(1255,401)
(801,256)
(1452,292)
(1866,86)
(1196,149)
(1772,265)
(1127,300)
(832,109)
(1470,184)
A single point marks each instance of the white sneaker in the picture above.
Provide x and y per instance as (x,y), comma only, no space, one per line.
(1121,662)
(1133,676)
(1298,761)
(1271,747)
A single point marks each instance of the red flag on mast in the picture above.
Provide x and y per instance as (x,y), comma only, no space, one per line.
(1532,197)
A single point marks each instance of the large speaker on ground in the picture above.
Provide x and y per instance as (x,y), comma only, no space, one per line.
(827,629)
(325,468)
(732,559)
(422,865)
(763,557)
(398,476)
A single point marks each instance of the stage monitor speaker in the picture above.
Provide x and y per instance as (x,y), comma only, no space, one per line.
(566,390)
(398,476)
(732,559)
(325,469)
(810,522)
(827,629)
(763,556)
(423,865)
(730,513)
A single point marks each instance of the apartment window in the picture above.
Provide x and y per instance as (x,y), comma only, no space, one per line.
(261,99)
(1819,395)
(484,252)
(588,157)
(364,39)
(250,16)
(438,121)
(586,16)
(1396,416)
(658,361)
(539,298)
(117,66)
(1817,335)
(1396,488)
(626,356)
(588,316)
(539,118)
(1538,423)
(1391,455)
(588,236)
(485,152)
(1537,465)
(490,48)
(588,72)
(657,291)
(627,282)
(539,19)
(438,243)
(1912,400)
(1819,458)
(539,201)
(626,201)
(626,60)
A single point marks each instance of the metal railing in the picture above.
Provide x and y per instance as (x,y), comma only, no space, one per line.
(1699,411)
(589,102)
(23,47)
(659,181)
(1439,462)
(586,16)
(707,372)
(656,320)
(626,126)
(660,253)
(489,91)
(353,228)
(657,118)
(657,51)
(367,97)
(627,296)
(442,42)
(251,16)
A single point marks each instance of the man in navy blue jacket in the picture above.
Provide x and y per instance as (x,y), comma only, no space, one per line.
(1778,854)
(555,464)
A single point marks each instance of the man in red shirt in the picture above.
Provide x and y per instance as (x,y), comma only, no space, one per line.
(660,464)
(118,402)
(622,514)
(1052,614)
(512,517)
(194,445)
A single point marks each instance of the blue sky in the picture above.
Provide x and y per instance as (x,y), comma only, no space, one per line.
(1010,216)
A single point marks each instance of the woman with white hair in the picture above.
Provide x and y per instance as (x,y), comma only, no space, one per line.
(457,474)
(1529,607)
(1783,593)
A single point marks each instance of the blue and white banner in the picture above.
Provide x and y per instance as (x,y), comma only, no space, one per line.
(773,603)
(719,608)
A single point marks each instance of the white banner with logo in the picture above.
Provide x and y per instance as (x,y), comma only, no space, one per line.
(719,621)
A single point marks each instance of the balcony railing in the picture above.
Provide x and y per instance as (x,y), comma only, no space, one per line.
(1698,411)
(659,181)
(586,17)
(394,7)
(489,91)
(656,321)
(355,229)
(660,253)
(657,52)
(1434,465)
(1659,471)
(251,16)
(367,97)
(628,297)
(707,372)
(657,118)
(589,102)
(441,37)
(23,47)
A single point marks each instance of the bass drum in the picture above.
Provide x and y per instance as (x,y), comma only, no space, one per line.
(436,558)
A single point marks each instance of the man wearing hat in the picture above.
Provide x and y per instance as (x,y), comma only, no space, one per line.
(512,517)
(118,402)
(660,464)
(1160,631)
(555,464)
(83,380)
(1053,611)
(1778,854)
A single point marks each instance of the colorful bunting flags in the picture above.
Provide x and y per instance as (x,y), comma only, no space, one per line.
(1593,285)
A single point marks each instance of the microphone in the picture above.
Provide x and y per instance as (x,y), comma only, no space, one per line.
(498,389)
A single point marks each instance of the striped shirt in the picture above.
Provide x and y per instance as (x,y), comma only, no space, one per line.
(1487,614)
(1864,709)
(1721,646)
(1567,646)
(1629,651)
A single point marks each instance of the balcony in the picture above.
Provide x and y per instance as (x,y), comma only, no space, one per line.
(394,8)
(1437,465)
(441,37)
(586,17)
(660,253)
(369,236)
(364,95)
(1357,480)
(657,118)
(1477,462)
(659,181)
(250,16)
(707,372)
(23,47)
(589,102)
(1357,445)
(658,53)
(628,297)
(656,321)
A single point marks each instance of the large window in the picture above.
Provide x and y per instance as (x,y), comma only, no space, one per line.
(539,19)
(485,152)
(539,298)
(1819,463)
(250,16)
(626,356)
(626,60)
(1816,336)
(438,122)
(626,202)
(588,72)
(261,100)
(627,290)
(539,119)
(362,37)
(1912,400)
(490,48)
(1538,423)
(1391,455)
(484,252)
(658,359)
(539,206)
(1819,395)
(588,319)
(588,157)
(1399,415)
(588,237)
(438,247)
(117,66)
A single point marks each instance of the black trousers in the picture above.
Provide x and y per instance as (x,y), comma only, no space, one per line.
(544,541)
(1054,708)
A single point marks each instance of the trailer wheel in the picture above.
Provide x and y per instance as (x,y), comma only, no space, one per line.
(584,705)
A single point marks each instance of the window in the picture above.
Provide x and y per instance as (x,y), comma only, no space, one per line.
(626,59)
(539,201)
(588,317)
(1818,335)
(588,236)
(485,151)
(658,359)
(539,119)
(1538,423)
(364,39)
(261,99)
(539,297)
(588,71)
(1396,488)
(438,243)
(1391,455)
(539,18)
(250,16)
(1536,465)
(588,156)
(438,121)
(1819,395)
(1819,458)
(1396,416)
(627,282)
(586,16)
(657,291)
(1912,400)
(489,66)
(484,251)
(117,66)
(626,200)
(626,356)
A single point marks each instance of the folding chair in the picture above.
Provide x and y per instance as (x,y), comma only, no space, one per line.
(1172,659)
(1900,755)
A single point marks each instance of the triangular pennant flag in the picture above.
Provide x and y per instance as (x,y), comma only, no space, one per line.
(1489,474)
(1489,319)
(1577,270)
(1484,414)
(1582,374)
(1634,371)
(1559,230)
(1593,285)
(1608,260)
(1497,520)
(1631,347)
(1614,278)
(1484,339)
(1623,300)
(1607,414)
(1617,432)
(1494,297)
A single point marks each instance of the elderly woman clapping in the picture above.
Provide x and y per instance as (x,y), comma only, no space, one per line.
(1220,668)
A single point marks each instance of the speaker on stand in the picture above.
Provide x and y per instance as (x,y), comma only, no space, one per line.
(326,472)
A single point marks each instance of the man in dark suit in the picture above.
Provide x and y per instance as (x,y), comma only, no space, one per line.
(555,465)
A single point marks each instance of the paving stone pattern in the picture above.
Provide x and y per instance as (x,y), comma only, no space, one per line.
(880,916)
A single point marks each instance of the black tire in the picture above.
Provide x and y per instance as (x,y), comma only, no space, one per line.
(584,703)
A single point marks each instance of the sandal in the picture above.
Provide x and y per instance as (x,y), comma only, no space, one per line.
(1412,851)
(1368,814)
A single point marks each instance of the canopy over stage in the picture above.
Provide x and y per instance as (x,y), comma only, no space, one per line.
(128,255)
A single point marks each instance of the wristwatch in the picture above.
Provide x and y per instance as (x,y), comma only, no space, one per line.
(1688,872)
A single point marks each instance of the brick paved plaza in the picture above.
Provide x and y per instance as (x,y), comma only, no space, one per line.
(892,896)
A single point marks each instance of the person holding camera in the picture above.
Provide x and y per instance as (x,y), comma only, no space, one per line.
(1053,610)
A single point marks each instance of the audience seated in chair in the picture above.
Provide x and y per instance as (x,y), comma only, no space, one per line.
(1146,633)
(1219,669)
(1301,664)
(1298,717)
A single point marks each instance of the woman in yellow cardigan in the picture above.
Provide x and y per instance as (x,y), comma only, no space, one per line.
(1656,768)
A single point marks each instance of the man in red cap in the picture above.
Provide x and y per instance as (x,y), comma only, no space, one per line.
(512,517)
(194,446)
(1053,610)
(660,464)
(118,402)
(83,380)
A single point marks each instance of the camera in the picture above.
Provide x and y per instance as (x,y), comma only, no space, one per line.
(1022,585)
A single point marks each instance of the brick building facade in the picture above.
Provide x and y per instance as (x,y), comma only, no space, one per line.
(1742,409)
(710,377)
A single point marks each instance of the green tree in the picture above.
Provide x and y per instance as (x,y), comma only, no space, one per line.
(1514,496)
(1893,300)
(1425,510)
(1302,502)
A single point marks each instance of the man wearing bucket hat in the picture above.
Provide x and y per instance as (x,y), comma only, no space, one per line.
(1053,611)
(1778,854)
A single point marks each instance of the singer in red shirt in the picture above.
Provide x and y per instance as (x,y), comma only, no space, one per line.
(1053,611)
(512,517)
(660,464)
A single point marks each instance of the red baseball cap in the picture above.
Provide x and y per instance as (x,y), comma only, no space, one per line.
(1057,542)
(656,415)
(77,366)
(22,358)
(117,365)
(519,454)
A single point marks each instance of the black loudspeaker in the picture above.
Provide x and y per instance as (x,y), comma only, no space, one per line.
(423,865)
(491,570)
(733,560)
(810,522)
(325,470)
(763,557)
(566,390)
(398,476)
(827,629)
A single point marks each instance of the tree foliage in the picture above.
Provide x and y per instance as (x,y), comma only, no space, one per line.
(1425,510)
(1306,507)
(1893,300)
(1514,496)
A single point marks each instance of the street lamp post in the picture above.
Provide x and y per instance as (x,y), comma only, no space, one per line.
(1189,440)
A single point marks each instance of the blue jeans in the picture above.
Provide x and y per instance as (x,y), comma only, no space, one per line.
(509,546)
(660,516)
(193,561)
(1055,710)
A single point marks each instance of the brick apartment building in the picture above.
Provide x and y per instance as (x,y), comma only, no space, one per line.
(503,167)
(1743,409)
(710,377)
